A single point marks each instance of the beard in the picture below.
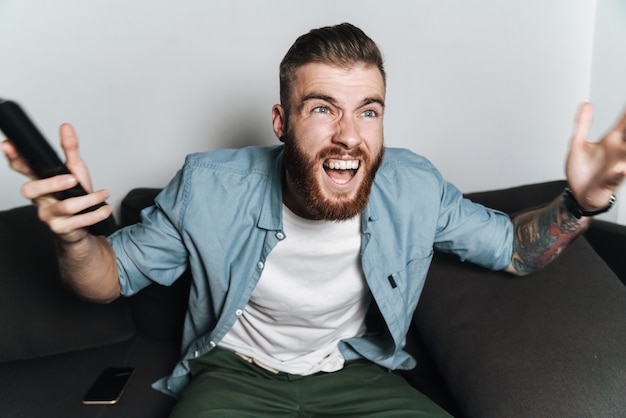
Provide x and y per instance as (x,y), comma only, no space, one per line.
(300,169)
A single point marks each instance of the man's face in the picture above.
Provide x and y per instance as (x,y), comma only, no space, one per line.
(333,139)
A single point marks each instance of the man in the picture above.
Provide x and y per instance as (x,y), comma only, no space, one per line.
(308,259)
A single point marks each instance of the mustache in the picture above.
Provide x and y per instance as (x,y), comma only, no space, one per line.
(339,152)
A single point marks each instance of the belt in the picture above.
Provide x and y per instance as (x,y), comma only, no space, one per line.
(257,362)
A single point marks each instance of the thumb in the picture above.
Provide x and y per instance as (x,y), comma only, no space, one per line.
(69,143)
(74,161)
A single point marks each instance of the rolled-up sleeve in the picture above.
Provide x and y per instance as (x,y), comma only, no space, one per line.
(153,251)
(473,232)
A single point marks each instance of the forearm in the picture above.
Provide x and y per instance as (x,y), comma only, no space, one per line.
(542,234)
(89,267)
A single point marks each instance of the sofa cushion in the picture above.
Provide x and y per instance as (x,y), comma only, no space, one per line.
(38,314)
(53,386)
(550,344)
(609,240)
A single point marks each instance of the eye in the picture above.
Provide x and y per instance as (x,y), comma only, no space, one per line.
(370,113)
(321,109)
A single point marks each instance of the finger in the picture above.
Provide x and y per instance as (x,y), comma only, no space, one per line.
(74,161)
(76,205)
(582,124)
(39,188)
(68,225)
(9,150)
(620,127)
(16,162)
(73,206)
(69,143)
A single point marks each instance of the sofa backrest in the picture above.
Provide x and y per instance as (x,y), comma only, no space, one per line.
(39,315)
(515,199)
(159,311)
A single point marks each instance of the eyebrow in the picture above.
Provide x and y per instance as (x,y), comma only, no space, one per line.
(332,100)
(374,100)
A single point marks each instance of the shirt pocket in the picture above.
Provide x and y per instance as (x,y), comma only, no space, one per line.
(407,284)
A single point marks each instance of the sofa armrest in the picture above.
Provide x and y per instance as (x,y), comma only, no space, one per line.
(609,240)
(549,344)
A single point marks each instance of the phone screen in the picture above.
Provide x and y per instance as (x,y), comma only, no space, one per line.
(109,386)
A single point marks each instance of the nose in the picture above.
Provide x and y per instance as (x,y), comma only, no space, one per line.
(347,134)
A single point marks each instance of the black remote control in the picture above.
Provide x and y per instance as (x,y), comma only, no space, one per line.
(42,158)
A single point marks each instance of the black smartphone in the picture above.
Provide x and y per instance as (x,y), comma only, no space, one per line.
(109,386)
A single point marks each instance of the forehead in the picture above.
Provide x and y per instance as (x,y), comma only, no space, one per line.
(357,81)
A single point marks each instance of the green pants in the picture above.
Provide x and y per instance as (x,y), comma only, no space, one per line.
(225,385)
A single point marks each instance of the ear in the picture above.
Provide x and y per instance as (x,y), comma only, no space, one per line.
(278,121)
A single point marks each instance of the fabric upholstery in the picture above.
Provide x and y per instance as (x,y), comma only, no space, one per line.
(39,314)
(612,250)
(549,344)
(487,344)
(53,386)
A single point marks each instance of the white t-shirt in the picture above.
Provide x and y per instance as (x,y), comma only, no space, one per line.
(311,294)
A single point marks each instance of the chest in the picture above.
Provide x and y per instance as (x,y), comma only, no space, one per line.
(316,270)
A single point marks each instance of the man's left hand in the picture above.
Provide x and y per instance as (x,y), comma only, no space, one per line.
(596,169)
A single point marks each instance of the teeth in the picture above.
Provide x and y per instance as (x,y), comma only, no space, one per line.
(343,165)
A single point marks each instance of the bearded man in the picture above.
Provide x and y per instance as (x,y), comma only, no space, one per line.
(308,258)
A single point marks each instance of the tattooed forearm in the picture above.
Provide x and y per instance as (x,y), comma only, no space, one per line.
(541,235)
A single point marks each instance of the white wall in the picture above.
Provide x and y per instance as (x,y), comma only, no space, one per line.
(485,88)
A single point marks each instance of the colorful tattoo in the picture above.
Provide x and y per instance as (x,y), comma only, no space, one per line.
(542,234)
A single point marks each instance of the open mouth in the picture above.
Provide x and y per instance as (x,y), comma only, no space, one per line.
(341,171)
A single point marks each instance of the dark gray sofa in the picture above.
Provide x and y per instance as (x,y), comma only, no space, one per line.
(487,344)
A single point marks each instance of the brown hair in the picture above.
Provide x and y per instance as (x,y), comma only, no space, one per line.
(342,45)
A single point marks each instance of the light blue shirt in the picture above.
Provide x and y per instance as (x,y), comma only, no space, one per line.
(221,215)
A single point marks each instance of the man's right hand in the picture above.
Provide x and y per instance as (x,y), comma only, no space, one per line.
(61,215)
(87,262)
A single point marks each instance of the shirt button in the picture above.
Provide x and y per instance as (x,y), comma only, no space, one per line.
(260,265)
(239,312)
(212,343)
(196,354)
(280,235)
